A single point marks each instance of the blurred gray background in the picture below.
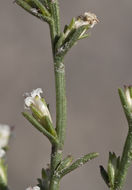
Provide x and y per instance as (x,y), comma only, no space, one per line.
(95,68)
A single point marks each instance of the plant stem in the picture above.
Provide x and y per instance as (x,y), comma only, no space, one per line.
(59,70)
(127,150)
(125,161)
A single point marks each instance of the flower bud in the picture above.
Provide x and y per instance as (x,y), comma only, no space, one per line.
(37,104)
(128,95)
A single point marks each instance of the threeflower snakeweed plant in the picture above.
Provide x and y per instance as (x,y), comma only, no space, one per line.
(39,116)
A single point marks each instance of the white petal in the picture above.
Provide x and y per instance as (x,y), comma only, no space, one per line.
(43,108)
(36,188)
(36,92)
(28,101)
(5,132)
(2,153)
(29,188)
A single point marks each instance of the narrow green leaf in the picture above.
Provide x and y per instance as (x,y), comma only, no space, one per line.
(38,126)
(104,175)
(71,25)
(32,11)
(78,163)
(125,162)
(60,41)
(43,9)
(44,175)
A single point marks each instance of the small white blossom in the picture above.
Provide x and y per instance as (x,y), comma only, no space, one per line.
(35,11)
(86,19)
(5,132)
(34,98)
(2,153)
(33,188)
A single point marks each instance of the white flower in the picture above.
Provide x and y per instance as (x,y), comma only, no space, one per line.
(34,188)
(2,153)
(35,11)
(86,19)
(5,132)
(34,99)
(128,94)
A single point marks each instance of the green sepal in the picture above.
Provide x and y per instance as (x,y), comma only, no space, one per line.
(40,128)
(125,106)
(78,163)
(104,175)
(36,113)
(66,162)
(3,173)
(45,121)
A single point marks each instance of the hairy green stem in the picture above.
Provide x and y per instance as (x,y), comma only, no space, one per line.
(59,70)
(125,161)
(127,150)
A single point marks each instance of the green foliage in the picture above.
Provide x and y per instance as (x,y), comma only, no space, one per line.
(39,127)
